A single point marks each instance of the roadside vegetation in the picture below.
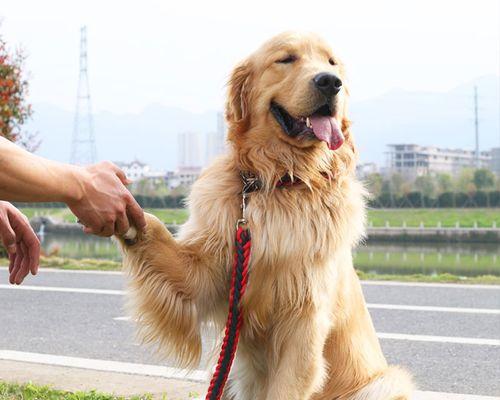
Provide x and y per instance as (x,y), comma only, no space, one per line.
(30,391)
(437,278)
(430,217)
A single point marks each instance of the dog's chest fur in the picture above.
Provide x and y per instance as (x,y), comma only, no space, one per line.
(297,235)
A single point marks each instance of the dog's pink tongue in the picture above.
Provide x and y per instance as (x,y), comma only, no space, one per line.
(328,130)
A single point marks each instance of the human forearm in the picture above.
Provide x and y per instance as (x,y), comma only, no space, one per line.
(96,194)
(26,177)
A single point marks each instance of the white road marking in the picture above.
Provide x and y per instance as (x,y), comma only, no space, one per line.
(122,318)
(403,307)
(413,338)
(63,289)
(449,396)
(168,372)
(104,365)
(438,339)
(434,309)
(428,285)
(367,283)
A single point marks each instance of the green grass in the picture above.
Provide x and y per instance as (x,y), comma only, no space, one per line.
(59,214)
(438,278)
(431,217)
(170,216)
(167,215)
(74,264)
(29,391)
(378,217)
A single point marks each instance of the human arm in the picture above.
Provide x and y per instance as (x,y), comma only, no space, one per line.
(95,194)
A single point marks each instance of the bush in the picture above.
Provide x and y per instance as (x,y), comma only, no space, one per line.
(479,199)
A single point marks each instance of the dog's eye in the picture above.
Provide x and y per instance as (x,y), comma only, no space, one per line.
(332,61)
(287,60)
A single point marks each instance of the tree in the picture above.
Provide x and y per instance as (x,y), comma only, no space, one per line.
(483,179)
(465,181)
(425,185)
(444,183)
(397,183)
(14,110)
(374,184)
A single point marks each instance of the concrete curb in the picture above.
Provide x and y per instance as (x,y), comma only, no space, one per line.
(74,379)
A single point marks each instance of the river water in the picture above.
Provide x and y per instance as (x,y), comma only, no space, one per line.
(459,259)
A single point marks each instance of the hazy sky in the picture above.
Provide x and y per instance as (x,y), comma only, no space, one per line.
(180,53)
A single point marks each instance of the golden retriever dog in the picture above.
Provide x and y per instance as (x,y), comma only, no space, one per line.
(306,333)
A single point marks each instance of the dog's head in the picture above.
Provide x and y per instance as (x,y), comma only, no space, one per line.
(290,91)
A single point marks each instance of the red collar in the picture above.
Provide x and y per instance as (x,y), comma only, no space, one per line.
(251,183)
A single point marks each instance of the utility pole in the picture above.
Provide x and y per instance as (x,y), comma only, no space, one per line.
(83,147)
(476,128)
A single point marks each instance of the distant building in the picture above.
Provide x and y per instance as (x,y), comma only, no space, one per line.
(216,141)
(184,176)
(137,170)
(363,170)
(412,160)
(495,160)
(190,150)
(134,170)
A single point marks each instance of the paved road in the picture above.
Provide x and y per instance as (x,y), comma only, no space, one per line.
(447,336)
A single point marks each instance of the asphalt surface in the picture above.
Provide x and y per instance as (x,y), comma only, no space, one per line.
(84,325)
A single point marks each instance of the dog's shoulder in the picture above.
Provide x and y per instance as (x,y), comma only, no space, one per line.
(214,205)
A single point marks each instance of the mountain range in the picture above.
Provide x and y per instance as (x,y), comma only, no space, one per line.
(444,119)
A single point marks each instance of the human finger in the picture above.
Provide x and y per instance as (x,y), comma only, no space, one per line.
(24,268)
(121,225)
(136,215)
(17,264)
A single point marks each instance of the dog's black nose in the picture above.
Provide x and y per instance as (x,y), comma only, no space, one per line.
(328,84)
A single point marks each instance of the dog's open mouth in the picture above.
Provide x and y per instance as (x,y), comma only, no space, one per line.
(320,124)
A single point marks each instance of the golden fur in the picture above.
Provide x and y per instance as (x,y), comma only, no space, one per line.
(307,333)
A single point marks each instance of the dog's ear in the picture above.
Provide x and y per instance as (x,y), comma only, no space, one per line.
(238,95)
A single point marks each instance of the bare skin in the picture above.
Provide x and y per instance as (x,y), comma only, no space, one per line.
(20,241)
(96,194)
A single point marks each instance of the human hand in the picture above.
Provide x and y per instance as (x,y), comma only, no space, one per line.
(21,243)
(105,207)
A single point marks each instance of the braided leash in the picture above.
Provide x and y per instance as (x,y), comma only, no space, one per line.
(239,281)
(234,319)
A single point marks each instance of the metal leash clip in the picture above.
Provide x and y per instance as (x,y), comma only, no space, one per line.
(250,184)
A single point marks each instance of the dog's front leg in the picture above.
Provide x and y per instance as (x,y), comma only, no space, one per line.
(174,287)
(300,369)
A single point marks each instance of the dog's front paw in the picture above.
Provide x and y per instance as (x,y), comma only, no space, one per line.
(130,237)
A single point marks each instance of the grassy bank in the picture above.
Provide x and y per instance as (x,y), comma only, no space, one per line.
(448,217)
(107,265)
(437,278)
(12,391)
(169,216)
(29,391)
